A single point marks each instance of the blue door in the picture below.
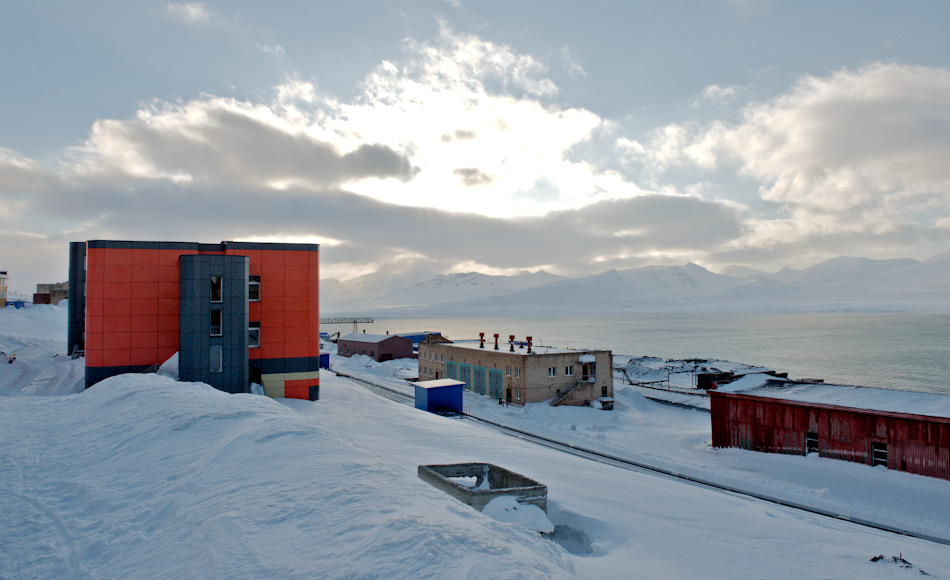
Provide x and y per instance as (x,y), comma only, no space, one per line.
(465,375)
(494,383)
(478,380)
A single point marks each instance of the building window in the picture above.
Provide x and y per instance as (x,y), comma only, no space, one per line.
(372,354)
(518,394)
(878,453)
(811,442)
(253,335)
(508,371)
(216,359)
(254,288)
(216,316)
(569,371)
(216,286)
(552,371)
(517,374)
(442,359)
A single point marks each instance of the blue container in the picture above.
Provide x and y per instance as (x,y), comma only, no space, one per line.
(439,396)
(325,360)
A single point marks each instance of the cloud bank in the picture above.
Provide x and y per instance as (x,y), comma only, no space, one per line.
(459,152)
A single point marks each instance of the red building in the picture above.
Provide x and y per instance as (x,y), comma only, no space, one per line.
(235,312)
(902,430)
(379,347)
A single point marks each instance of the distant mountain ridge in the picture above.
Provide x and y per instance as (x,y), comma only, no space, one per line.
(840,284)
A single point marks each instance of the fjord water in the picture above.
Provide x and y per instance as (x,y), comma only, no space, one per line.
(891,350)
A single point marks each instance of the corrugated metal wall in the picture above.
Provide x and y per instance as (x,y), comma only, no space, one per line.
(912,443)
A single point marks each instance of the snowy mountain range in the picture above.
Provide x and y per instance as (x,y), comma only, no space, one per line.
(840,284)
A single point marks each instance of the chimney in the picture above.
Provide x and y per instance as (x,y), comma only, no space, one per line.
(529,345)
(496,341)
(511,343)
(481,340)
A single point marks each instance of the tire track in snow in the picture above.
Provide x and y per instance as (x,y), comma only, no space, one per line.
(57,524)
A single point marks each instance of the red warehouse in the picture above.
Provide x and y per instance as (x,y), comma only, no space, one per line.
(902,430)
(379,347)
(235,312)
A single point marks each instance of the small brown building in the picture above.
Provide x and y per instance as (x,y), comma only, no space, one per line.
(902,430)
(51,293)
(379,347)
(523,373)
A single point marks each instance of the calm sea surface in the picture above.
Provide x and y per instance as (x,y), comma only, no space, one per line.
(896,351)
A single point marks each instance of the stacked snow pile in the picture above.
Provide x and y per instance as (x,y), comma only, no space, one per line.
(144,477)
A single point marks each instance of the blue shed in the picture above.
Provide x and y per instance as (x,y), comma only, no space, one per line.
(439,396)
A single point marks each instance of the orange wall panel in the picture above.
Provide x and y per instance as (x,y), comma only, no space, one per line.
(115,273)
(272,257)
(296,258)
(116,291)
(94,306)
(93,323)
(297,334)
(271,349)
(169,273)
(297,273)
(168,324)
(296,391)
(143,323)
(112,324)
(145,257)
(93,357)
(168,307)
(271,272)
(144,306)
(295,349)
(167,340)
(272,319)
(169,290)
(143,339)
(117,257)
(296,289)
(93,341)
(116,341)
(145,290)
(116,358)
(145,274)
(144,356)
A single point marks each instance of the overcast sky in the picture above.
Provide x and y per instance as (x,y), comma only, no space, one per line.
(454,135)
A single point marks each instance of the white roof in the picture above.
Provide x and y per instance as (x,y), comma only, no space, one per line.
(368,338)
(870,398)
(437,383)
(504,348)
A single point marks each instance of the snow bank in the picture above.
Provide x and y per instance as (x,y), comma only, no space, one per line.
(506,509)
(144,477)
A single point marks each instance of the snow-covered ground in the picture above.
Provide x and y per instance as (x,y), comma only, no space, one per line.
(144,477)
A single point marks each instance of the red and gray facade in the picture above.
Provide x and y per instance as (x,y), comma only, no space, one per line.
(901,430)
(235,312)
